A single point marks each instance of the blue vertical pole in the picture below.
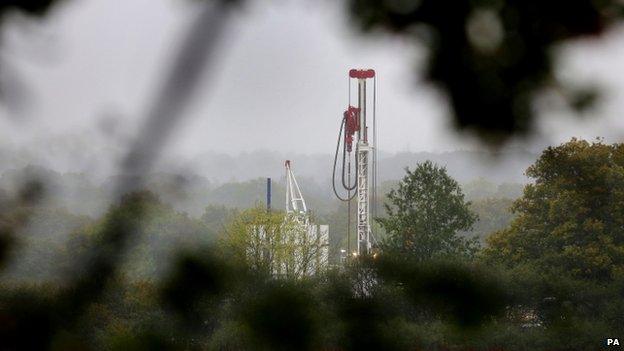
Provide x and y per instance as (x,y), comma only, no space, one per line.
(268,195)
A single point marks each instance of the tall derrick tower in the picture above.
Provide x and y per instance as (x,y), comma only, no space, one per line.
(354,127)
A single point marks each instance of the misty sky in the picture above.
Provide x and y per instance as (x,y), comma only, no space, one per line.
(280,84)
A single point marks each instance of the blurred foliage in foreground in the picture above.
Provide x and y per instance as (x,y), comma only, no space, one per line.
(492,58)
(551,280)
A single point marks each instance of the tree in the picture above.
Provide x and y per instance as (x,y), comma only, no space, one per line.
(571,218)
(426,213)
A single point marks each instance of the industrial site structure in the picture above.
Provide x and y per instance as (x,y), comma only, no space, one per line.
(313,246)
(355,127)
(295,203)
(297,247)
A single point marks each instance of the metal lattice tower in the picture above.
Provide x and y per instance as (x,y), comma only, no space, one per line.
(354,127)
(295,204)
(362,151)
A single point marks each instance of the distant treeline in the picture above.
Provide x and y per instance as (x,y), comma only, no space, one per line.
(75,155)
(72,200)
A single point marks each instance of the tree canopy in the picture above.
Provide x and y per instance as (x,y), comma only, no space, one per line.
(570,219)
(425,214)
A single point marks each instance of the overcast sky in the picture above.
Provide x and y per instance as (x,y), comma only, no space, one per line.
(280,83)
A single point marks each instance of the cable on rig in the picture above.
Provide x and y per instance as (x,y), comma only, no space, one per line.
(346,147)
(354,130)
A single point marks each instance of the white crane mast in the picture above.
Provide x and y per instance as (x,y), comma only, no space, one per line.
(295,203)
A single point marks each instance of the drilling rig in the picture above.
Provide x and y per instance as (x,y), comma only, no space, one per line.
(354,128)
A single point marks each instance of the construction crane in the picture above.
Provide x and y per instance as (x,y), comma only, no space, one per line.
(315,239)
(354,127)
(295,204)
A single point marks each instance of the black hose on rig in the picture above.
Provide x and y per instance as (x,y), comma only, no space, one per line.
(347,187)
(342,125)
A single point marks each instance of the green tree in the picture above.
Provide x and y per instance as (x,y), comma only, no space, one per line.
(425,214)
(571,218)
